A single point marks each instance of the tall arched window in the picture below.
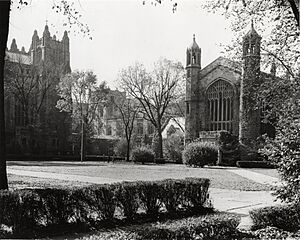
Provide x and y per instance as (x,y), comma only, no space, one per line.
(220,106)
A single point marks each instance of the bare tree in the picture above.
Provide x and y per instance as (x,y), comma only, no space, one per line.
(30,85)
(128,110)
(81,96)
(154,90)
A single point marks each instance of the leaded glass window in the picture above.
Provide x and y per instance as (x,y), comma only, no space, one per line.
(220,106)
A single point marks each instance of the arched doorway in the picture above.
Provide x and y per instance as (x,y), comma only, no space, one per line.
(220,97)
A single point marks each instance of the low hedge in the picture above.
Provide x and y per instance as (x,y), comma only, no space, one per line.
(254,164)
(33,211)
(217,226)
(286,217)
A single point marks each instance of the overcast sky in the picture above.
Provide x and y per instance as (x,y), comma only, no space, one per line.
(124,32)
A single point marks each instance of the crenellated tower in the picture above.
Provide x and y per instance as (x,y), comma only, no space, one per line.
(193,67)
(48,49)
(249,129)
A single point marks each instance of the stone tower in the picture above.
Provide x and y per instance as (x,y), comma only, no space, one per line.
(50,50)
(193,67)
(249,128)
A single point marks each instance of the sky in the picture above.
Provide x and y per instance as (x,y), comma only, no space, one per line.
(124,32)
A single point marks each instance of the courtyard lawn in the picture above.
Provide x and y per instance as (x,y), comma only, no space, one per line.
(220,178)
(269,172)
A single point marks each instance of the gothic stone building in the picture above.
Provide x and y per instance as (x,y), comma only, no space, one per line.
(36,127)
(215,95)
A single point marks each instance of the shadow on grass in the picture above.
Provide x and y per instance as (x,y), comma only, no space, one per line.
(53,164)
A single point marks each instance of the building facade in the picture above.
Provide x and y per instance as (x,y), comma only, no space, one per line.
(33,123)
(218,96)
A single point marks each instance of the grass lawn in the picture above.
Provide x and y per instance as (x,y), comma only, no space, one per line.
(220,178)
(269,172)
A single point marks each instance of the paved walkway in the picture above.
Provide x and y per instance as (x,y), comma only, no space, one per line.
(256,177)
(240,202)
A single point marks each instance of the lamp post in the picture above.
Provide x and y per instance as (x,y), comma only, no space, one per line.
(83,112)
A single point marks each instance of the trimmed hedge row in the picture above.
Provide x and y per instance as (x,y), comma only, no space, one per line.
(286,217)
(217,226)
(38,209)
(254,164)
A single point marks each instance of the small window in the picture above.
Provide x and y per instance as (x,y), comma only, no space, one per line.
(108,130)
(187,108)
(188,73)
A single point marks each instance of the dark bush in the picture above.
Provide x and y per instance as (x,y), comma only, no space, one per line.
(221,226)
(120,148)
(254,164)
(286,217)
(32,211)
(229,149)
(149,194)
(142,155)
(127,199)
(198,154)
(173,147)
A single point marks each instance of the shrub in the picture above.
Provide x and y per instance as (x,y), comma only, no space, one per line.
(283,151)
(120,148)
(142,155)
(149,194)
(36,210)
(254,164)
(229,149)
(126,197)
(286,217)
(221,226)
(200,154)
(173,147)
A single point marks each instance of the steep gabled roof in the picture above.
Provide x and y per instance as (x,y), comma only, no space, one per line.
(221,61)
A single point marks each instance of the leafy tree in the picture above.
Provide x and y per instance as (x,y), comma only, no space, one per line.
(284,152)
(83,98)
(278,22)
(154,90)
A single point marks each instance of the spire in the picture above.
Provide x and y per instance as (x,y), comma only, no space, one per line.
(13,46)
(194,45)
(252,32)
(46,30)
(251,42)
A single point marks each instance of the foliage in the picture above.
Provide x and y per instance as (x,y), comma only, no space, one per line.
(286,217)
(221,226)
(120,148)
(254,164)
(173,147)
(83,98)
(33,211)
(229,148)
(283,152)
(155,90)
(280,42)
(143,155)
(198,154)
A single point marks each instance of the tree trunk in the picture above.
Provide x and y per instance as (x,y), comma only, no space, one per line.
(4,25)
(128,150)
(160,143)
